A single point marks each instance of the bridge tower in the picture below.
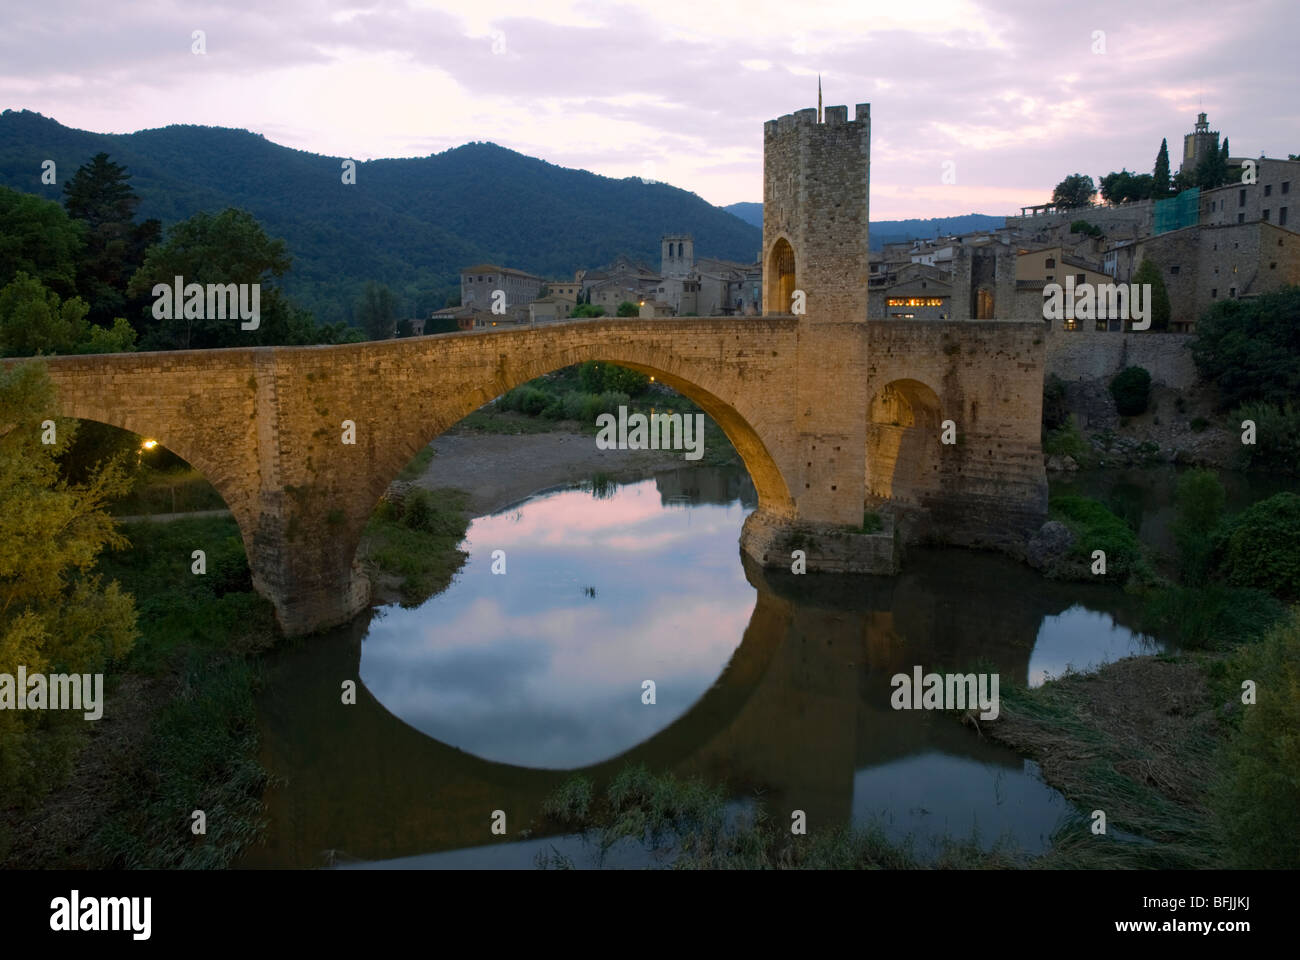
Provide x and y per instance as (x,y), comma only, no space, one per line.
(815,200)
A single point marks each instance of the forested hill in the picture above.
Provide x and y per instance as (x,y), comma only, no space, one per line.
(892,231)
(409,223)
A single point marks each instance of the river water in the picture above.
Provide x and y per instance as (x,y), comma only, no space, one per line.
(488,696)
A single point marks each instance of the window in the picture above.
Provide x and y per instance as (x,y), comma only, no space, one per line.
(1241,218)
(1241,198)
(1050,263)
(1080,278)
(1266,216)
(1286,186)
(1232,292)
(1234,269)
(1281,216)
(1174,269)
(1268,189)
(1273,265)
(1050,278)
(1214,293)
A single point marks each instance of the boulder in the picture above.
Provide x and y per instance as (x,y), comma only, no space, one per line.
(1049,546)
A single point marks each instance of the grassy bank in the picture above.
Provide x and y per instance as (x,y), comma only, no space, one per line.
(410,547)
(570,399)
(183,731)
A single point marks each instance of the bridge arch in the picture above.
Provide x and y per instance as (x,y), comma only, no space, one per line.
(192,447)
(769,481)
(903,433)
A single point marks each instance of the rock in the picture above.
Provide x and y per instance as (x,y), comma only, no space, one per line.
(1049,545)
(1070,464)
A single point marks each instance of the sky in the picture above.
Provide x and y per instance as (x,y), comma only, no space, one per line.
(977,107)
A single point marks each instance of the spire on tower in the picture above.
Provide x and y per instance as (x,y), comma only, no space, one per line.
(819,98)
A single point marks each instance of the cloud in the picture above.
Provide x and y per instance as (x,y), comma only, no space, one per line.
(1012,92)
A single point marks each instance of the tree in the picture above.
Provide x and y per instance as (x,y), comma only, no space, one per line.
(1086,228)
(1261,548)
(230,247)
(377,312)
(587,310)
(1212,169)
(33,320)
(1076,190)
(56,616)
(1148,273)
(1250,349)
(628,309)
(39,239)
(1160,185)
(99,196)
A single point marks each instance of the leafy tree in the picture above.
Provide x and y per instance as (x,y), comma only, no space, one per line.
(377,311)
(33,320)
(39,239)
(99,196)
(1076,190)
(1160,183)
(55,614)
(1086,228)
(1131,388)
(230,247)
(628,309)
(1212,170)
(587,310)
(1122,187)
(1261,547)
(1148,273)
(1250,349)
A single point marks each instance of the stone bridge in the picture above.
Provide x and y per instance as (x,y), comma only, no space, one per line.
(830,410)
(826,415)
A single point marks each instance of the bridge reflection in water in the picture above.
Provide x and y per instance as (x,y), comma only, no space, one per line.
(801,713)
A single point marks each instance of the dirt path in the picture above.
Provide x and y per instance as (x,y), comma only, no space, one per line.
(497,470)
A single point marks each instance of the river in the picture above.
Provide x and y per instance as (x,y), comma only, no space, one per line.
(488,696)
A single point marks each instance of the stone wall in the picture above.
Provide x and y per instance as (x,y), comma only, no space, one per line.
(1088,354)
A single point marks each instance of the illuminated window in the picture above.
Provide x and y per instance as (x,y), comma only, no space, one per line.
(914,302)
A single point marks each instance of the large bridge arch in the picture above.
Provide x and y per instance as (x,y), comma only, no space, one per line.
(428,423)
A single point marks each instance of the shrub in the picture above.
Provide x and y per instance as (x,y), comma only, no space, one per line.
(1067,441)
(1131,389)
(1277,437)
(417,511)
(1096,528)
(1261,547)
